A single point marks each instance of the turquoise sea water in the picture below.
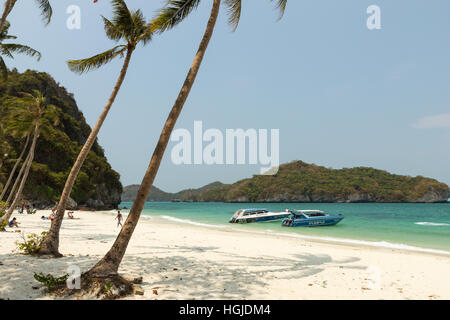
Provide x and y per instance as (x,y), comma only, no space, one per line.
(380,224)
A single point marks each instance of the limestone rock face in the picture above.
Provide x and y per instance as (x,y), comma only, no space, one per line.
(360,197)
(95,204)
(72,204)
(434,196)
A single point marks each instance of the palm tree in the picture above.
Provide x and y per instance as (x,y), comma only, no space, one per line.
(44,5)
(126,25)
(31,111)
(173,13)
(8,49)
(3,145)
(13,171)
(18,129)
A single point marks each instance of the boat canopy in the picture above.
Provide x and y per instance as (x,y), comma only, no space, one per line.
(256,209)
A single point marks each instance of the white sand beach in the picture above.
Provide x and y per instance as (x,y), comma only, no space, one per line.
(181,261)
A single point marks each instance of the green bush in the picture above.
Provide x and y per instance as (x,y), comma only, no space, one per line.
(50,281)
(31,243)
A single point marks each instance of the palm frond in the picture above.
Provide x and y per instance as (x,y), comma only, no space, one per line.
(281,5)
(142,30)
(147,35)
(4,31)
(138,22)
(97,61)
(52,114)
(173,13)
(234,12)
(122,17)
(4,51)
(46,10)
(111,30)
(18,48)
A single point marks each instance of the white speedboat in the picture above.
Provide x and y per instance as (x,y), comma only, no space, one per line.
(257,215)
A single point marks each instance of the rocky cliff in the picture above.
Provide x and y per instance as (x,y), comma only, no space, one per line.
(98,185)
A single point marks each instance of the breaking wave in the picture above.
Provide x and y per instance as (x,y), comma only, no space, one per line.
(433,224)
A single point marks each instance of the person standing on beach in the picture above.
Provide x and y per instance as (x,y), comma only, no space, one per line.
(52,216)
(119,219)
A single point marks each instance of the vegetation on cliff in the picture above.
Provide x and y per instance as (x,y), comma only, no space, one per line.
(97,185)
(302,182)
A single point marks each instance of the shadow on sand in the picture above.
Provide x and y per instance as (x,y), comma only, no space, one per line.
(174,275)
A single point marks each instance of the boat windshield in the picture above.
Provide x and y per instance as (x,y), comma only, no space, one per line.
(237,213)
(314,214)
(308,213)
(251,212)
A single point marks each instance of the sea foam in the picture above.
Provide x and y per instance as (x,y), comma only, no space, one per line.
(433,224)
(379,244)
(191,222)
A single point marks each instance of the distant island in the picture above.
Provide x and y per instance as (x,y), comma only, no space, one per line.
(302,182)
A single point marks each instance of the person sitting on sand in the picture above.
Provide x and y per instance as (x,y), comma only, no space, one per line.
(13,223)
(45,218)
(70,215)
(119,219)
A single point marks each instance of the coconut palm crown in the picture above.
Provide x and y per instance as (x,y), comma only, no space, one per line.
(125,25)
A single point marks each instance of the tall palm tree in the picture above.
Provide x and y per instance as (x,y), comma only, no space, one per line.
(13,171)
(31,111)
(3,145)
(12,192)
(173,13)
(8,49)
(130,27)
(44,5)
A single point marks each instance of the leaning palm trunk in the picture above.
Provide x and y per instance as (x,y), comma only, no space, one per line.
(13,171)
(7,9)
(25,176)
(18,179)
(109,265)
(50,244)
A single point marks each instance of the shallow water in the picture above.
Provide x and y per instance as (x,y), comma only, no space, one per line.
(379,224)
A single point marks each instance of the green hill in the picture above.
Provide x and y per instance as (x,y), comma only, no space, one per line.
(156,194)
(301,182)
(129,194)
(97,186)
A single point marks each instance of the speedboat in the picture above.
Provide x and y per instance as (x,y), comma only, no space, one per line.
(311,218)
(257,215)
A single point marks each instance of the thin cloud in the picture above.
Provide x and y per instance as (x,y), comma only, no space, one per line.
(433,122)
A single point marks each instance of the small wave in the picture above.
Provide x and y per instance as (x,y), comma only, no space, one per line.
(191,222)
(433,224)
(379,244)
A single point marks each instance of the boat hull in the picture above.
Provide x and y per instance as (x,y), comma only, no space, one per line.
(313,222)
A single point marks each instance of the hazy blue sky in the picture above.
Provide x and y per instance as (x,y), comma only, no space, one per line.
(341,95)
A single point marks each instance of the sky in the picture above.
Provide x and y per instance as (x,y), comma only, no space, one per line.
(340,94)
